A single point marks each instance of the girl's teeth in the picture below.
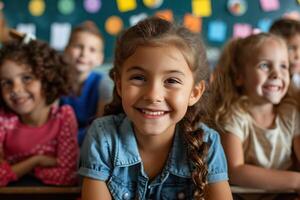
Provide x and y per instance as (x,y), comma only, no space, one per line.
(153,112)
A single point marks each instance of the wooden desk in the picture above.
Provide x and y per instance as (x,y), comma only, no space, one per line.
(39,193)
(239,193)
(244,190)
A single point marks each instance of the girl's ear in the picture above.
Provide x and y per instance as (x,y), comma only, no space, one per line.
(197,92)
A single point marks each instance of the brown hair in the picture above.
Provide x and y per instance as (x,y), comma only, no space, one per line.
(46,64)
(155,31)
(226,94)
(89,27)
(285,28)
(3,29)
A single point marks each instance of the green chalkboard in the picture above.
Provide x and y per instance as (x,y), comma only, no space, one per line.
(16,12)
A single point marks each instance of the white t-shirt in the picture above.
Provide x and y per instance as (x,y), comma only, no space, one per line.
(268,148)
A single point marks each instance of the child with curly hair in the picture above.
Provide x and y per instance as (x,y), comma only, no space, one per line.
(37,138)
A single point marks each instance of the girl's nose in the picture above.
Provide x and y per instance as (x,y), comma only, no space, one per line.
(17,87)
(275,73)
(153,93)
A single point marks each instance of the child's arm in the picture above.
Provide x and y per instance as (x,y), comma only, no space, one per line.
(243,174)
(94,189)
(64,173)
(296,149)
(218,191)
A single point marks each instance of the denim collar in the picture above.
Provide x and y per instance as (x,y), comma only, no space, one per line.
(127,151)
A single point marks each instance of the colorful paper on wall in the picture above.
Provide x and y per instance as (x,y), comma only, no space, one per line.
(26,28)
(201,8)
(192,22)
(242,30)
(217,31)
(36,7)
(92,6)
(264,24)
(298,1)
(59,35)
(269,5)
(66,7)
(126,5)
(153,3)
(114,25)
(134,19)
(237,7)
(165,14)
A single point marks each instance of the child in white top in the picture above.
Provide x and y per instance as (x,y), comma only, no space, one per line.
(260,130)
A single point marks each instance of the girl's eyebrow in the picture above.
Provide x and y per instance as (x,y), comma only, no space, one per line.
(137,68)
(134,68)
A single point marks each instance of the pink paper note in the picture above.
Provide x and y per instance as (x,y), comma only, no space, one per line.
(269,5)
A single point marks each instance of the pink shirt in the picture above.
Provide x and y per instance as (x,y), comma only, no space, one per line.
(57,138)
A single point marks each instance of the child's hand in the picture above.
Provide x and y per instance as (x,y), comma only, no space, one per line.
(46,161)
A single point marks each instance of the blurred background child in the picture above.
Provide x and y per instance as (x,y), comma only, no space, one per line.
(259,129)
(94,89)
(38,140)
(289,30)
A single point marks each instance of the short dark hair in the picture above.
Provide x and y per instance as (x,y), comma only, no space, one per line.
(285,28)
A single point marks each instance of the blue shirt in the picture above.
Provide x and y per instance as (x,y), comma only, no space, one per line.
(110,153)
(86,105)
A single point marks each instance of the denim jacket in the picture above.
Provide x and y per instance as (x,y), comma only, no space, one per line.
(110,153)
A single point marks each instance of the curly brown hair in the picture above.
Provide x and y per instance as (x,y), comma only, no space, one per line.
(285,28)
(49,66)
(155,31)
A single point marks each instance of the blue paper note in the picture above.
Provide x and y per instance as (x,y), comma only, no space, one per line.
(217,31)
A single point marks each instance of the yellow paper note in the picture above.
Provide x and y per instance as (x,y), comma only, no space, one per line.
(298,1)
(201,8)
(126,5)
(36,7)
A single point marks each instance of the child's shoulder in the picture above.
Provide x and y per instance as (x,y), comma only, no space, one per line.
(7,118)
(62,111)
(288,109)
(110,126)
(210,134)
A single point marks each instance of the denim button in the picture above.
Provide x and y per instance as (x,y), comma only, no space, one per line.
(180,195)
(126,196)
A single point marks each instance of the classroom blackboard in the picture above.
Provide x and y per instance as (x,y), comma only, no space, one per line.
(18,12)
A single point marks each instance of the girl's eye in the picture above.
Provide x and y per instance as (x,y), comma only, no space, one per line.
(5,83)
(27,79)
(284,66)
(173,81)
(137,78)
(264,66)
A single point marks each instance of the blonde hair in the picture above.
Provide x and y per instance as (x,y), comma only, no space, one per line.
(158,32)
(227,95)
